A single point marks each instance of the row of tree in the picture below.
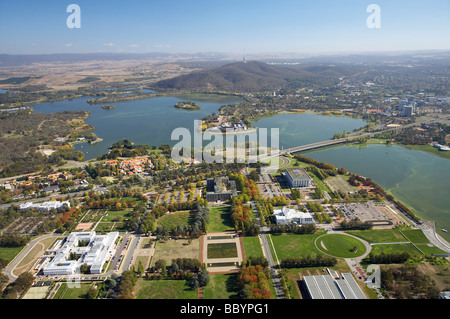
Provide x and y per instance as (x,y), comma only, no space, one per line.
(308,261)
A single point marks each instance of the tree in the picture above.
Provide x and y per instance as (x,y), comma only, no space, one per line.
(203,278)
(24,280)
(194,282)
(92,293)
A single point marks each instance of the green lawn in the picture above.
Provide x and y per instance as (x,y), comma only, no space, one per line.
(220,219)
(395,248)
(341,246)
(64,292)
(221,286)
(252,247)
(164,289)
(9,253)
(378,235)
(112,214)
(416,236)
(171,221)
(292,245)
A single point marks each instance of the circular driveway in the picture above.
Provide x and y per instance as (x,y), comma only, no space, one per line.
(322,248)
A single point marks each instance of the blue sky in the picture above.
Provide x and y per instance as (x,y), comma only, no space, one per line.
(258,26)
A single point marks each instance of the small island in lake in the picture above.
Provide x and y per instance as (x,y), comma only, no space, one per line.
(108,107)
(189,105)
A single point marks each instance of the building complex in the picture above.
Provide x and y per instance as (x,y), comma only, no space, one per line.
(288,215)
(79,248)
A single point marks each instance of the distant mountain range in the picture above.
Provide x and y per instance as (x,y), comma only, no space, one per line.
(235,77)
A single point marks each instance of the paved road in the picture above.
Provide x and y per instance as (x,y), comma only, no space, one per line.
(8,271)
(268,255)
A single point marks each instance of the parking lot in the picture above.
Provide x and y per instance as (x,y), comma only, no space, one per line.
(369,212)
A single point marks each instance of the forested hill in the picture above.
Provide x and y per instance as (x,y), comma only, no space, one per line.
(240,77)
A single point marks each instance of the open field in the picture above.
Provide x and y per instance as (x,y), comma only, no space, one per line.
(164,289)
(64,292)
(221,286)
(9,253)
(171,249)
(291,245)
(220,219)
(252,246)
(378,235)
(172,220)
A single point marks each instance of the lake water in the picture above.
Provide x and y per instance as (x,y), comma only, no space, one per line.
(302,129)
(418,179)
(147,121)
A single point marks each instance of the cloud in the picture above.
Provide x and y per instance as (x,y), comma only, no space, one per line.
(110,44)
(135,46)
(163,46)
(68,45)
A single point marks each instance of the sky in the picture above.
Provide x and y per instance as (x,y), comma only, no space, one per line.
(256,26)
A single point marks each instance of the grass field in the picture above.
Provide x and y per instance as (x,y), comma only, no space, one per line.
(64,292)
(171,221)
(164,289)
(378,235)
(9,253)
(220,219)
(252,247)
(416,236)
(395,248)
(221,286)
(341,246)
(291,245)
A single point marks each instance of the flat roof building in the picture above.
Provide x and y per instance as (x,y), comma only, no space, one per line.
(333,287)
(94,251)
(44,206)
(297,177)
(220,189)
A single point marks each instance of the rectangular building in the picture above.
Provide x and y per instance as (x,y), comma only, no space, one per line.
(297,177)
(331,287)
(220,189)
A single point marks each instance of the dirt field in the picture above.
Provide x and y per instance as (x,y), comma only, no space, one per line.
(171,249)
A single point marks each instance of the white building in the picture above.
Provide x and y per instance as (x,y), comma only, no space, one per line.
(289,215)
(44,206)
(99,249)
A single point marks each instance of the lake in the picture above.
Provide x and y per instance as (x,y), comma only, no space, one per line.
(418,179)
(151,121)
(301,129)
(146,121)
